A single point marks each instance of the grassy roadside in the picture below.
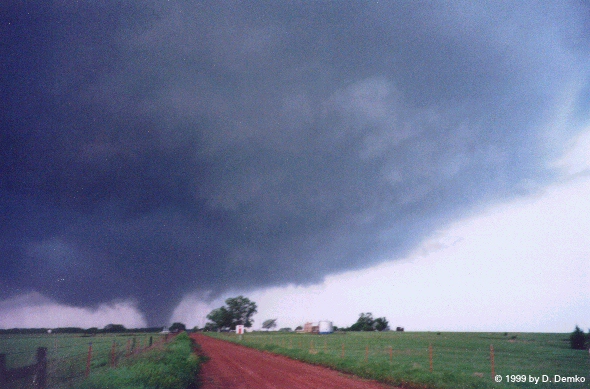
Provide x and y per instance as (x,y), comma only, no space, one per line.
(173,367)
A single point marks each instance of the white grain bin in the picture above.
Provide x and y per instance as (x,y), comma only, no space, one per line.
(325,327)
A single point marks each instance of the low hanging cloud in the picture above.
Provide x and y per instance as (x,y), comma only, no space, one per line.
(33,310)
(150,152)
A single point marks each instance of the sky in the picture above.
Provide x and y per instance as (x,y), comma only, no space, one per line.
(424,161)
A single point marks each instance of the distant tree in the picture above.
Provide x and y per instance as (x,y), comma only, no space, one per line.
(177,327)
(270,323)
(578,339)
(17,331)
(114,328)
(239,310)
(68,330)
(146,329)
(286,329)
(366,322)
(91,331)
(381,324)
(209,327)
(298,328)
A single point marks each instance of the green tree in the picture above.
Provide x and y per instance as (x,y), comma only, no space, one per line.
(270,323)
(114,328)
(366,322)
(238,310)
(241,310)
(220,319)
(381,324)
(177,327)
(210,327)
(578,339)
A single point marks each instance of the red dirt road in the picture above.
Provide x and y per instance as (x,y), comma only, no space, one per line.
(237,367)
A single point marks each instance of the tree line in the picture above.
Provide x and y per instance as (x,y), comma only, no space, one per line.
(239,310)
(108,329)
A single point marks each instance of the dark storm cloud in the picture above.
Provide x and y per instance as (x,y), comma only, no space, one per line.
(156,150)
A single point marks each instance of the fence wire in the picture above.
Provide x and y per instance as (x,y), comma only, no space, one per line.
(68,364)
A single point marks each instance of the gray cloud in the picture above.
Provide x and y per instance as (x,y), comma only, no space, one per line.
(154,151)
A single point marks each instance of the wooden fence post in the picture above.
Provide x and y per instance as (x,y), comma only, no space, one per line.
(390,354)
(151,341)
(38,370)
(88,359)
(41,368)
(342,355)
(430,356)
(3,370)
(492,360)
(113,354)
(367,353)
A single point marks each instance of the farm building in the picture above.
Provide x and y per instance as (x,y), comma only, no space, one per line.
(310,328)
(323,327)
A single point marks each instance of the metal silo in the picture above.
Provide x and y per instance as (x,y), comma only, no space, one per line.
(325,327)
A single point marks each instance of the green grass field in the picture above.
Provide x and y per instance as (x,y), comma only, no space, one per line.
(172,366)
(459,360)
(67,354)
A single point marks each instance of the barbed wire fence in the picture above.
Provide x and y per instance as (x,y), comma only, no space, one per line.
(422,355)
(58,366)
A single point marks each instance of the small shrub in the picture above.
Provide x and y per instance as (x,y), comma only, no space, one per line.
(578,339)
